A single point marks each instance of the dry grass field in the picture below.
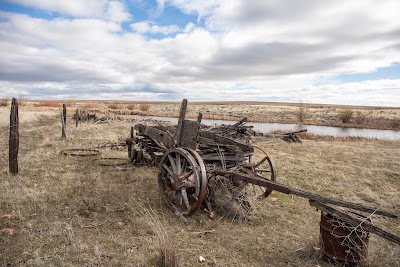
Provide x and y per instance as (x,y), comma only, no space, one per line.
(69,211)
(308,114)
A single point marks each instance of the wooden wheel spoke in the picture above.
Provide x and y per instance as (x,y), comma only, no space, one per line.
(185,198)
(173,164)
(170,172)
(260,162)
(187,175)
(263,170)
(178,164)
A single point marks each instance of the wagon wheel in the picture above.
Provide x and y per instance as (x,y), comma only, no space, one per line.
(182,180)
(265,168)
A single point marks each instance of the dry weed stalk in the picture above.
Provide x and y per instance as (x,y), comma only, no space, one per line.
(302,113)
(169,257)
(229,199)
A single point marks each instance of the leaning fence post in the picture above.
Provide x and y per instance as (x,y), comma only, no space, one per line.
(14,137)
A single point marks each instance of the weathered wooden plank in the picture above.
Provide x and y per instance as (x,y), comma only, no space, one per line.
(14,137)
(226,140)
(189,133)
(181,121)
(159,136)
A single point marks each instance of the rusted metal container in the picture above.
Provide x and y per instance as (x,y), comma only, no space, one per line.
(341,243)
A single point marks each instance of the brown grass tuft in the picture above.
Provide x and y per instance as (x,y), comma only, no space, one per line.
(169,257)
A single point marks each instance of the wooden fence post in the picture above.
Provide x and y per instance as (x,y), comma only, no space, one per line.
(65,114)
(14,137)
(63,122)
(76,117)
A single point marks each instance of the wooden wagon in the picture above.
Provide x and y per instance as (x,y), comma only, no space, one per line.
(193,159)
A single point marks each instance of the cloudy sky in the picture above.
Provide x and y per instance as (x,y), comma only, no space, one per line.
(339,52)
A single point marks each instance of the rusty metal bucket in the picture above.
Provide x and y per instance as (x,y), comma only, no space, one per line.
(341,243)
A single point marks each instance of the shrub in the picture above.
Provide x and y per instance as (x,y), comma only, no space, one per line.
(113,106)
(4,102)
(131,106)
(360,117)
(301,113)
(22,100)
(345,115)
(395,123)
(144,107)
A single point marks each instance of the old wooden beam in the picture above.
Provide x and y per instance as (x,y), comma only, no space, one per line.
(189,133)
(158,135)
(14,137)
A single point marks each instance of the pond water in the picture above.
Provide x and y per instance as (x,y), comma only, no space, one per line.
(319,130)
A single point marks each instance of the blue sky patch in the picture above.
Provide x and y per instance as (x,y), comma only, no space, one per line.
(391,72)
(19,9)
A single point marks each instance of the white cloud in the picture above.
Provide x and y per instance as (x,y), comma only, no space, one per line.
(160,7)
(151,27)
(117,12)
(277,48)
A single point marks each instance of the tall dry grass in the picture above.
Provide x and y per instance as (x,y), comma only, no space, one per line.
(168,253)
(48,104)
